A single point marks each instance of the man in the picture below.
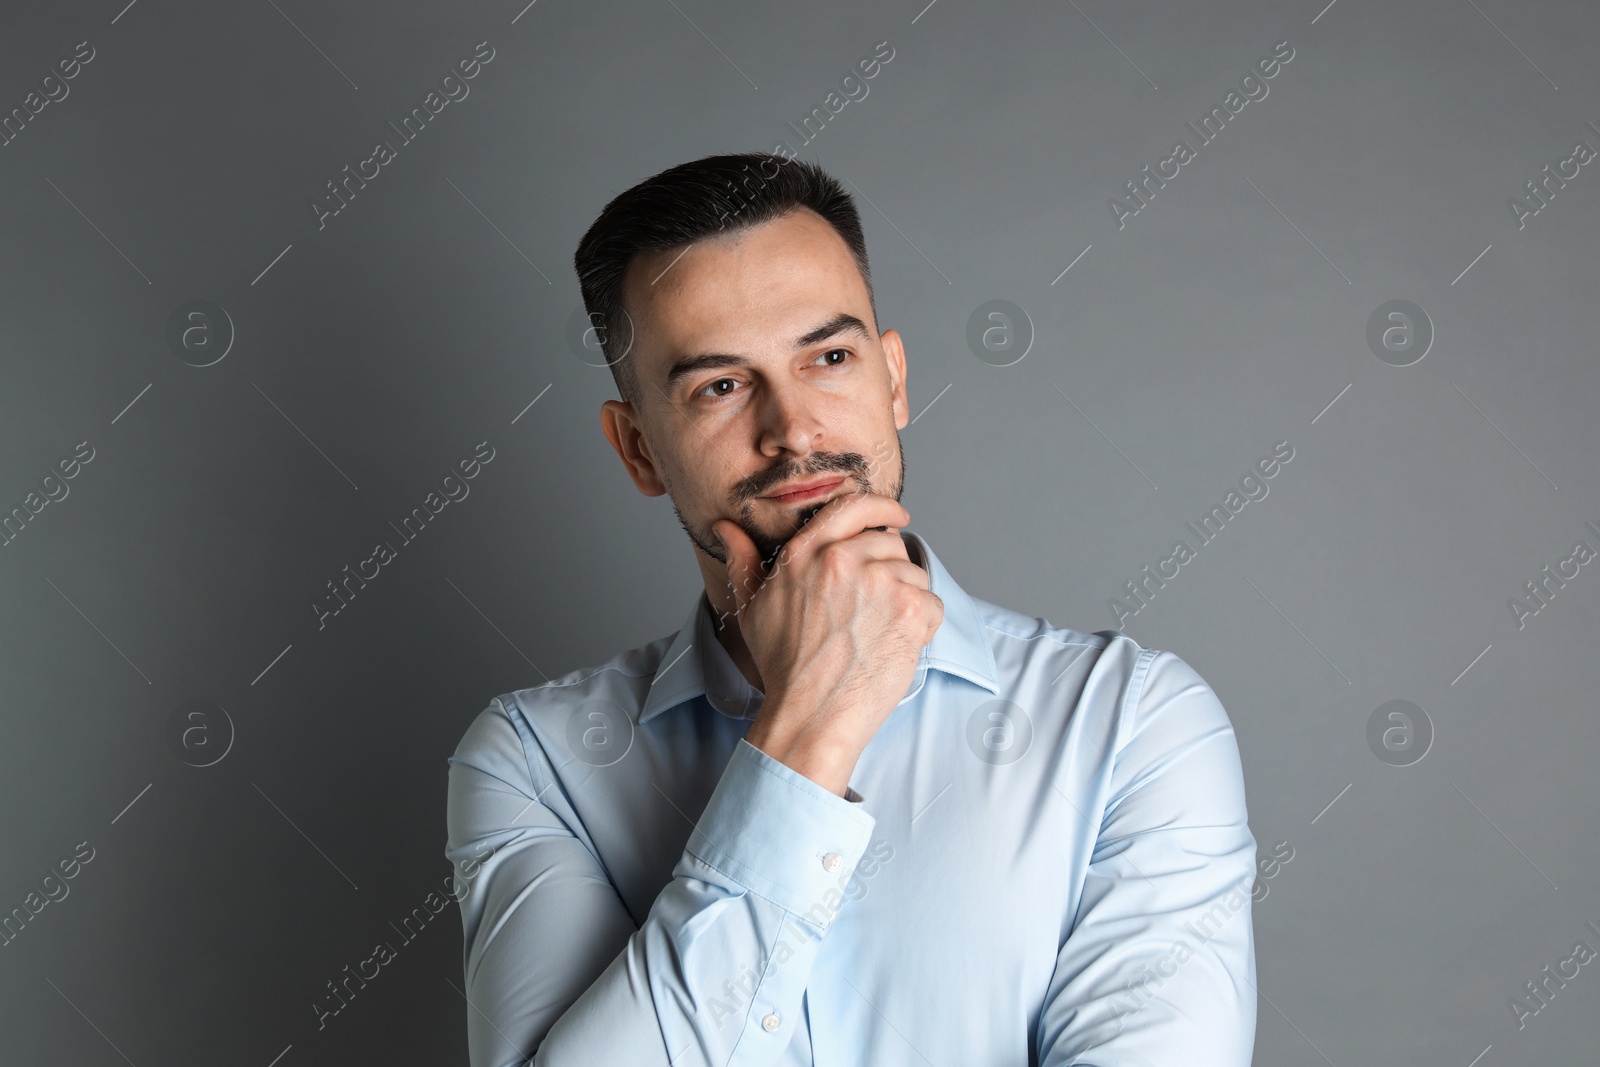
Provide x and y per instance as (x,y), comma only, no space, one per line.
(848,814)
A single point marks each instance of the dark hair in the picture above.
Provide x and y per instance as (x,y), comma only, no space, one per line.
(688,202)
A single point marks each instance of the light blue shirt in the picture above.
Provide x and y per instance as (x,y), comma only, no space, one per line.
(1043,859)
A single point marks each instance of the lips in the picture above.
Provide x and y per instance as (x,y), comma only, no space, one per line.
(797,492)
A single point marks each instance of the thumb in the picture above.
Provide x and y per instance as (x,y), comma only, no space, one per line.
(744,570)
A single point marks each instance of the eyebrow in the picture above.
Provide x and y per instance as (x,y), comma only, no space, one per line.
(841,323)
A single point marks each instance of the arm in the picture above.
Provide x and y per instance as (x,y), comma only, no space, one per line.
(1160,965)
(555,967)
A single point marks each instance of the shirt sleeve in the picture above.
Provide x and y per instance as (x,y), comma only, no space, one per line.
(557,970)
(1159,967)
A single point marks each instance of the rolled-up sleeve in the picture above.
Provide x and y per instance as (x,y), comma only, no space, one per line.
(1159,966)
(557,971)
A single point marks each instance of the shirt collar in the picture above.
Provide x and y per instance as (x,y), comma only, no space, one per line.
(695,657)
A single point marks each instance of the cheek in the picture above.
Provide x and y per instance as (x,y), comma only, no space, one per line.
(695,488)
(885,460)
(671,469)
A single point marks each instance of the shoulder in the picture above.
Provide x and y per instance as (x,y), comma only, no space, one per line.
(546,710)
(1024,643)
(1107,669)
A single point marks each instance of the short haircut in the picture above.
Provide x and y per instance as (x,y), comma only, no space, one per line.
(683,204)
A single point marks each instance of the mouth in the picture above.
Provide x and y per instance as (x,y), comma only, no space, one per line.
(801,492)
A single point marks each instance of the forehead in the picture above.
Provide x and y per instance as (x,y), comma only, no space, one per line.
(744,291)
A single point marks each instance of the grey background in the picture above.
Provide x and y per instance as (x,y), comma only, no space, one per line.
(1228,315)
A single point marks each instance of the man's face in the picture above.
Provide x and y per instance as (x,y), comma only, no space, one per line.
(760,365)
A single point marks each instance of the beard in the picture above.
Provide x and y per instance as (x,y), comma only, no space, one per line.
(767,545)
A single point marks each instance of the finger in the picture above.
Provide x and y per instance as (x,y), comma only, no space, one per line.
(929,613)
(875,543)
(872,543)
(846,516)
(744,560)
(903,570)
(935,614)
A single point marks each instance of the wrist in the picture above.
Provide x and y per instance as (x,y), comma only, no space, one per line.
(819,759)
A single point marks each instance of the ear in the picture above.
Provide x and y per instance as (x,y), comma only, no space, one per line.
(623,429)
(894,355)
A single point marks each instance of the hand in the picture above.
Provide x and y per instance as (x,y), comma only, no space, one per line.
(835,631)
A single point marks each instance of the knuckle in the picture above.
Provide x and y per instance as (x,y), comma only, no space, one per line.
(833,560)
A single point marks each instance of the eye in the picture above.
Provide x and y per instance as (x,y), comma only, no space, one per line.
(712,391)
(713,386)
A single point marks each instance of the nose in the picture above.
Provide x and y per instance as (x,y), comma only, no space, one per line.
(788,424)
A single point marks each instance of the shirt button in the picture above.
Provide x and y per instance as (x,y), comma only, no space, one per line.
(771,1022)
(831,862)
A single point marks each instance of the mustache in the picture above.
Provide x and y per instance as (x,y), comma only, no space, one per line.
(820,463)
